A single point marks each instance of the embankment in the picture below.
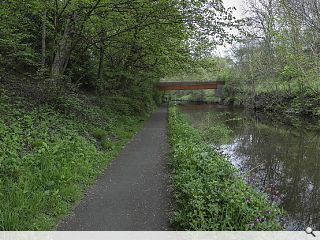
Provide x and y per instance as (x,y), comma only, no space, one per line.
(51,150)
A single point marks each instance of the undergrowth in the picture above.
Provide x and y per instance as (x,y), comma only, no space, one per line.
(277,98)
(49,154)
(210,195)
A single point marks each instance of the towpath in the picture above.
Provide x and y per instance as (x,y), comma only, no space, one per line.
(134,191)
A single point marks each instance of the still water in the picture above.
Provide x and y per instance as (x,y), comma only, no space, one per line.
(283,162)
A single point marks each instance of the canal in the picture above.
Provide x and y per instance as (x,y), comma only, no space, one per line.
(282,161)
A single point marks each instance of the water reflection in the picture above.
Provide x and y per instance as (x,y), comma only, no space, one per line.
(283,162)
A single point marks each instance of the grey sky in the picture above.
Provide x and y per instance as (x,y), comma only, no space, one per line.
(235,3)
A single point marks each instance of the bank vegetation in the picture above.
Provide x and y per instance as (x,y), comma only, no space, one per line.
(210,194)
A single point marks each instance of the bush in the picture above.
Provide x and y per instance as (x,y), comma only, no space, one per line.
(99,134)
(209,193)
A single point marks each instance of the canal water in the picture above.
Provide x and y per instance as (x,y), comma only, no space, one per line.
(283,162)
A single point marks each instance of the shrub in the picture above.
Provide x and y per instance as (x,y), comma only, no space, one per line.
(99,134)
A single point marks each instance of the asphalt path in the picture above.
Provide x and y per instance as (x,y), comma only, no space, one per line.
(133,194)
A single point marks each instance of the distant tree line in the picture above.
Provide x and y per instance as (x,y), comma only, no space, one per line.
(280,46)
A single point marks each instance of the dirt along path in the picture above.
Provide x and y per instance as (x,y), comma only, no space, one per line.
(133,192)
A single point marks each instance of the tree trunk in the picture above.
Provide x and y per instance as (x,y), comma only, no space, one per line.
(62,55)
(44,33)
(101,59)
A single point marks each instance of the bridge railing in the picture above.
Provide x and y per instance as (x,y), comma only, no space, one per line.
(173,86)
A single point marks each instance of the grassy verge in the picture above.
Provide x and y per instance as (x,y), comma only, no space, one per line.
(209,193)
(49,154)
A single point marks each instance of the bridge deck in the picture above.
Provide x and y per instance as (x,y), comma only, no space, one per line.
(165,86)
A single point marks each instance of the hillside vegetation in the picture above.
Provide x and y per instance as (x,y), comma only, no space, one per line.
(51,153)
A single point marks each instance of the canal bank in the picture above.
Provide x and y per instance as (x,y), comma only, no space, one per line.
(210,195)
(282,161)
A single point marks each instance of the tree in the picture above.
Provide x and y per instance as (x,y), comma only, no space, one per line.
(110,45)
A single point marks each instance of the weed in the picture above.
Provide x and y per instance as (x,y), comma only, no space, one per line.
(107,144)
(99,134)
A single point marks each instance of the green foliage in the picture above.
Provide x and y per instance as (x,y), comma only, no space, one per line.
(108,46)
(48,158)
(217,134)
(289,73)
(54,141)
(99,134)
(288,104)
(208,69)
(157,97)
(277,69)
(209,193)
(17,35)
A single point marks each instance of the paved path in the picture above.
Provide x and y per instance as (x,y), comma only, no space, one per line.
(133,192)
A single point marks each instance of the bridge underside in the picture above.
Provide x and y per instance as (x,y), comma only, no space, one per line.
(173,86)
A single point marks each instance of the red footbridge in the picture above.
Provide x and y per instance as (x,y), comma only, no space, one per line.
(174,86)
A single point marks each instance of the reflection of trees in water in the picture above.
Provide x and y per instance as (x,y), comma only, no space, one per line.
(285,163)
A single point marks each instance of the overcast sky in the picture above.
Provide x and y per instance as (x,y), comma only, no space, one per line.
(239,4)
(235,3)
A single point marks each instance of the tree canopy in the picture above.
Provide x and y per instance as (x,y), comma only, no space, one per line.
(108,45)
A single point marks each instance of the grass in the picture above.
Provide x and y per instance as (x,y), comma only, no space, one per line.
(49,154)
(210,195)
